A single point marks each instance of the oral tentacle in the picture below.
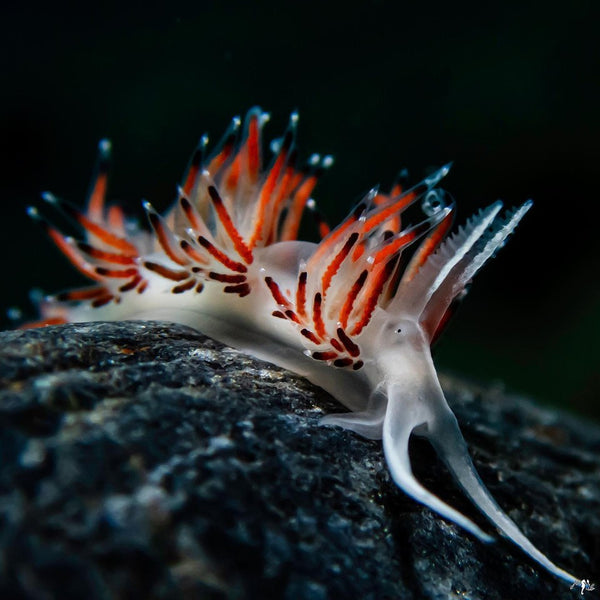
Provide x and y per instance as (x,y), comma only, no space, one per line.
(404,414)
(445,436)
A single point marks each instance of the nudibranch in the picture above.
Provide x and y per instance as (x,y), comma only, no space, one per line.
(355,313)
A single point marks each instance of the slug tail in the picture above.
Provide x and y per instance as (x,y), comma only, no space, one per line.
(444,434)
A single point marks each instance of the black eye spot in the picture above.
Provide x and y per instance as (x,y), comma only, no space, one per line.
(398,330)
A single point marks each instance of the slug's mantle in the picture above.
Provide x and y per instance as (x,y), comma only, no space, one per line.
(356,314)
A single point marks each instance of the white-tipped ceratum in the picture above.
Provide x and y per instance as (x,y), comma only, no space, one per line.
(356,313)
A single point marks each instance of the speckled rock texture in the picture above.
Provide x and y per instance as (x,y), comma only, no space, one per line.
(144,460)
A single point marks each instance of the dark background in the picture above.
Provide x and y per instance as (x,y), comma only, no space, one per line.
(508,91)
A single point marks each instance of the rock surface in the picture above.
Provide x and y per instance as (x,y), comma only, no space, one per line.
(144,460)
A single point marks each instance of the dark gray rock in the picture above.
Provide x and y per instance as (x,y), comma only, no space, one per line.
(143,460)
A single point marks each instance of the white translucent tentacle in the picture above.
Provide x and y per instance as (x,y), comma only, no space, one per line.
(413,295)
(402,416)
(493,241)
(464,270)
(365,423)
(445,436)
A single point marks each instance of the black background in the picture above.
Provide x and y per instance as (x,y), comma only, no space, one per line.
(508,91)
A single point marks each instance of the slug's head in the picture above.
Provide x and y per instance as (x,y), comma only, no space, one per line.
(429,288)
(403,337)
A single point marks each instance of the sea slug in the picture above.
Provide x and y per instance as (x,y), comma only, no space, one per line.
(356,313)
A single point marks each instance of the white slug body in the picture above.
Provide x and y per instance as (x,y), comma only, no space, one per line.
(352,313)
